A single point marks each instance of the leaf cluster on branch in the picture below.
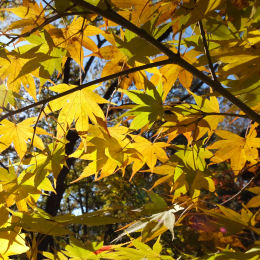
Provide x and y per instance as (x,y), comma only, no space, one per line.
(141,116)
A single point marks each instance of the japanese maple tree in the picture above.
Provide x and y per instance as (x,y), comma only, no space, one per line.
(151,107)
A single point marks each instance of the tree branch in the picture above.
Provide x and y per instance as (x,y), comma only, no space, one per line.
(80,87)
(216,86)
(220,114)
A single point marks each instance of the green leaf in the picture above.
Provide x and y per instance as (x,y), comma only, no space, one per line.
(37,223)
(77,250)
(193,157)
(136,48)
(148,109)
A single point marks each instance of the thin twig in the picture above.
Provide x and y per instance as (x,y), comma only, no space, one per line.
(235,195)
(179,43)
(35,125)
(39,27)
(202,113)
(206,49)
(81,51)
(109,104)
(184,211)
(48,4)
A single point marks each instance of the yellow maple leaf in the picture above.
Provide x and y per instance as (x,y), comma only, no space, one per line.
(32,16)
(80,106)
(12,243)
(235,148)
(192,120)
(108,151)
(19,134)
(145,10)
(74,37)
(150,152)
(11,69)
(171,72)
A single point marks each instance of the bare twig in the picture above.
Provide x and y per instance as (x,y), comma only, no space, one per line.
(179,43)
(202,113)
(36,123)
(206,49)
(109,104)
(235,195)
(48,4)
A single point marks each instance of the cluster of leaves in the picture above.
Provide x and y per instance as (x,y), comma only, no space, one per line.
(152,133)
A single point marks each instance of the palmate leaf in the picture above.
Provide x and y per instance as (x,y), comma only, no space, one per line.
(193,12)
(6,97)
(77,250)
(254,202)
(233,221)
(15,70)
(20,190)
(107,149)
(155,223)
(41,165)
(148,109)
(18,134)
(187,171)
(149,152)
(37,222)
(237,149)
(53,58)
(74,37)
(40,58)
(141,251)
(113,149)
(135,48)
(80,107)
(145,11)
(247,88)
(239,61)
(251,254)
(12,243)
(193,157)
(192,120)
(32,15)
(171,72)
(50,160)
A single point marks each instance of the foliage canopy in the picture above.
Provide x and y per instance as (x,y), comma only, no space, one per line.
(138,115)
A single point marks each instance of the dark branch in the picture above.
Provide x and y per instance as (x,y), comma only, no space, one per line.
(97,81)
(115,17)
